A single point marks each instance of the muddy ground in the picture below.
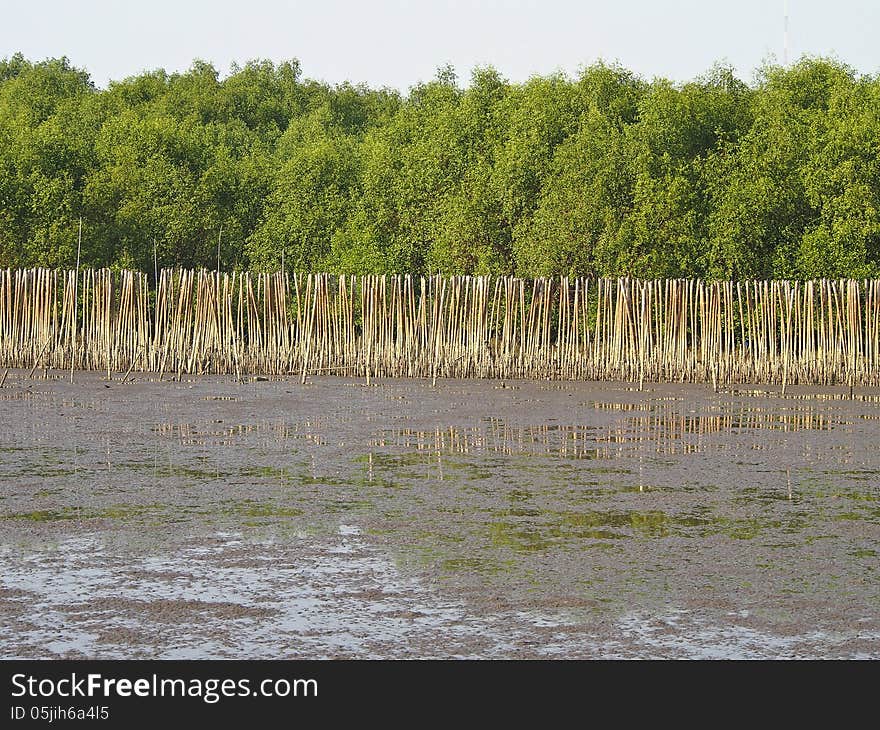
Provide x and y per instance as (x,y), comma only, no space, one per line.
(269,519)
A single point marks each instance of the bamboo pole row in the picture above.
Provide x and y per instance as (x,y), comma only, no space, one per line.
(197,321)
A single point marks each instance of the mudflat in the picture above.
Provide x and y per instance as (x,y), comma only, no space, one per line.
(211,518)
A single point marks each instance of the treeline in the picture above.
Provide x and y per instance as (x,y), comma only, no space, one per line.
(600,175)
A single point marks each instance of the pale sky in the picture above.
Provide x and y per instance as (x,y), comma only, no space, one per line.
(397,43)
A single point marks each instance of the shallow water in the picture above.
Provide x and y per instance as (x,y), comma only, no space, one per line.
(210,518)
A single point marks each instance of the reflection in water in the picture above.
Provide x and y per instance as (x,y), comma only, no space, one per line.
(220,434)
(662,430)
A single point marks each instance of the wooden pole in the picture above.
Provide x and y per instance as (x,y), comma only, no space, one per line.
(219,236)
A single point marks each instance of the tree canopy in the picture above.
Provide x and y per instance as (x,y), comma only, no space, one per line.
(604,174)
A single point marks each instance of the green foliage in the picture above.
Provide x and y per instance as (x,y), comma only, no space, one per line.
(603,174)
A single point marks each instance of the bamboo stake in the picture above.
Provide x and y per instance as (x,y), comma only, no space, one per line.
(37,360)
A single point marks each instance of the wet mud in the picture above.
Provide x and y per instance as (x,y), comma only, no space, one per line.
(209,518)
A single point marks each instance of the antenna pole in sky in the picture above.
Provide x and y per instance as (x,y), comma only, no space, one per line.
(785,35)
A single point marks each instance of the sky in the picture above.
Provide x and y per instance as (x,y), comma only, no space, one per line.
(396,44)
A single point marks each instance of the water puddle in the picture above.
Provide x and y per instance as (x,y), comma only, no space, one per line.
(233,597)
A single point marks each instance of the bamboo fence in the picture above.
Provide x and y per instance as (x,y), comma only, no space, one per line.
(818,332)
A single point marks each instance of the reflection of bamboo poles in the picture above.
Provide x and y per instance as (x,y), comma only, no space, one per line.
(666,430)
(817,332)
